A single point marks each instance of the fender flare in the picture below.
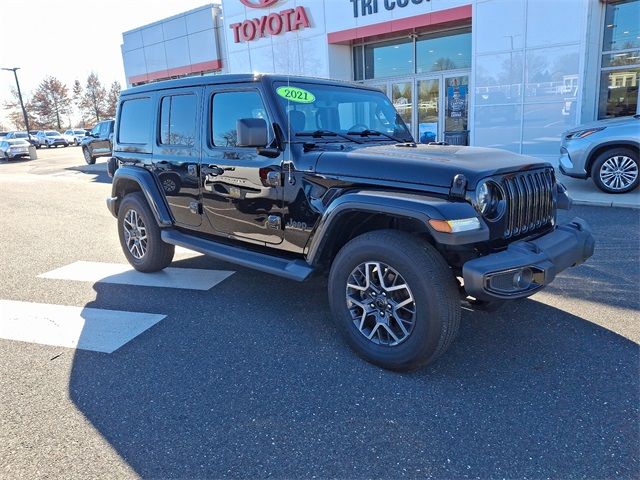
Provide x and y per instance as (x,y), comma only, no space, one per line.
(149,187)
(403,205)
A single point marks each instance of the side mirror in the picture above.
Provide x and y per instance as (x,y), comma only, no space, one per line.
(252,132)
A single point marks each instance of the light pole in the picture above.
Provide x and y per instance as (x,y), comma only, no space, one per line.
(24,111)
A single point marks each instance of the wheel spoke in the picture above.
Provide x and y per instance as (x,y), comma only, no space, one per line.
(401,304)
(357,286)
(373,331)
(390,332)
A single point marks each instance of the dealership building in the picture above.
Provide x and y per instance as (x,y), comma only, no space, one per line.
(511,74)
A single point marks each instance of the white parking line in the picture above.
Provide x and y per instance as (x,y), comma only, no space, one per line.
(73,327)
(188,278)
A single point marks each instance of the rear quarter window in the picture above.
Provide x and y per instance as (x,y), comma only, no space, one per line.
(135,121)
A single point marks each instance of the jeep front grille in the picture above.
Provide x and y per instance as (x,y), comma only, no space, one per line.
(530,203)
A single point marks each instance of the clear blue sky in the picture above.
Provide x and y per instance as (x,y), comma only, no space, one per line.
(68,40)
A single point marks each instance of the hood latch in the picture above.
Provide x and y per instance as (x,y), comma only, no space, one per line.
(458,187)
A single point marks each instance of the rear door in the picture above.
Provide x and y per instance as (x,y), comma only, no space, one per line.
(176,152)
(242,191)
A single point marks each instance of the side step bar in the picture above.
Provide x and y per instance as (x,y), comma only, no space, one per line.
(292,269)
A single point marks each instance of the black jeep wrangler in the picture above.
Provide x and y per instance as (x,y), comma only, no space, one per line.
(293,176)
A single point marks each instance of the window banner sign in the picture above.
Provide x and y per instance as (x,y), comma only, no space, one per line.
(457,101)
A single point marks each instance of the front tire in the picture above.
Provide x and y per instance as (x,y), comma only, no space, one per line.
(394,299)
(88,158)
(140,235)
(616,170)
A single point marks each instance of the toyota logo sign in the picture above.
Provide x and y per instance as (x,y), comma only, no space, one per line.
(258,3)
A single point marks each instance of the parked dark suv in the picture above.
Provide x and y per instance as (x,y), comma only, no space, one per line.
(98,142)
(297,176)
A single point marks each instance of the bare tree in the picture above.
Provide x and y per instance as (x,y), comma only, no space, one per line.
(112,99)
(77,96)
(93,102)
(51,102)
(15,117)
(76,92)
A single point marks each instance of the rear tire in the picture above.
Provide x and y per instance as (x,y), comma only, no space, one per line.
(616,170)
(88,158)
(140,235)
(407,318)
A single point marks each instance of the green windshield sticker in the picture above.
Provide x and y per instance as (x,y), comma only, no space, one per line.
(296,94)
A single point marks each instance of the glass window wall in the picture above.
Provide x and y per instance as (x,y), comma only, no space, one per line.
(406,56)
(443,53)
(388,59)
(620,74)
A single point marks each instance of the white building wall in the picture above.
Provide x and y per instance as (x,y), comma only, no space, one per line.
(171,46)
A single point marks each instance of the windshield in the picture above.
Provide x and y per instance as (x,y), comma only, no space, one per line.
(51,133)
(17,142)
(311,107)
(20,135)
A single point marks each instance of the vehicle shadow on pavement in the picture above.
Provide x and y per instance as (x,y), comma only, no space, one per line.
(251,379)
(98,171)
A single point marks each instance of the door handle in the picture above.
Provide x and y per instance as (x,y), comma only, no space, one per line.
(213,170)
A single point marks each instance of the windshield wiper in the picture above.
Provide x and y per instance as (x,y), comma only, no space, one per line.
(369,132)
(325,133)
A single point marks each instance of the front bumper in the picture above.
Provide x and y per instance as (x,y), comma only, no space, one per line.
(540,260)
(568,166)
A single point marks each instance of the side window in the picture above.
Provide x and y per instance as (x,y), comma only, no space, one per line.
(134,121)
(178,120)
(104,129)
(228,108)
(95,130)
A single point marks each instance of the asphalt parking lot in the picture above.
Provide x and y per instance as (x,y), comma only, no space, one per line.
(248,378)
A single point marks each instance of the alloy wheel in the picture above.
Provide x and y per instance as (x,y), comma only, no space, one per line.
(169,185)
(381,304)
(618,172)
(135,234)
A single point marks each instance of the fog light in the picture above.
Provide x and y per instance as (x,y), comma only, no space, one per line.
(522,279)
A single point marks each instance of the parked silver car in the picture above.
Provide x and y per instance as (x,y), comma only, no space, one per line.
(23,135)
(51,138)
(606,151)
(74,135)
(14,148)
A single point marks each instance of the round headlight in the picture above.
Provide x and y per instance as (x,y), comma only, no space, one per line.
(488,196)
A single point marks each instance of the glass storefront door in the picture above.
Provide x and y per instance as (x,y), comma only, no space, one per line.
(456,111)
(428,93)
(402,99)
(434,107)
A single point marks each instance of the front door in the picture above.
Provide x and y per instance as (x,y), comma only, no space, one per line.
(242,191)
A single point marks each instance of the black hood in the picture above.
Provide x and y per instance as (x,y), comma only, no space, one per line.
(434,165)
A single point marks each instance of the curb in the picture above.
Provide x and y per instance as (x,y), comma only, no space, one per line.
(599,203)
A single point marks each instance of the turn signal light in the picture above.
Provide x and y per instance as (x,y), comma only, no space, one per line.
(455,226)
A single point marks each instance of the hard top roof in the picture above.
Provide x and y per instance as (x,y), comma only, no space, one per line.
(234,78)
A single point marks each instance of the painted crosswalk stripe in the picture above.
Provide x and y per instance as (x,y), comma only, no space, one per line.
(182,253)
(188,278)
(73,327)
